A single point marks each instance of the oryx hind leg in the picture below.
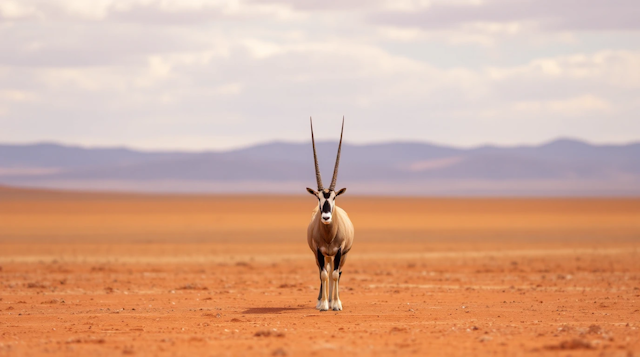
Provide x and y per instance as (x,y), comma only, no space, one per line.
(319,295)
(336,304)
(328,263)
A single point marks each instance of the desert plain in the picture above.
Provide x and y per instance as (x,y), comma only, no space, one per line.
(104,274)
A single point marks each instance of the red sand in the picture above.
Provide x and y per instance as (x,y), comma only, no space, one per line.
(94,274)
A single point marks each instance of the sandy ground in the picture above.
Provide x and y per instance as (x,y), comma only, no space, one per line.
(108,274)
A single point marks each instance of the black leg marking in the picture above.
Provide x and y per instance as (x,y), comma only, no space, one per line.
(336,260)
(320,259)
(339,276)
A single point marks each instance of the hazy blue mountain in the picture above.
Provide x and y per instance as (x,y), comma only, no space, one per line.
(54,155)
(564,165)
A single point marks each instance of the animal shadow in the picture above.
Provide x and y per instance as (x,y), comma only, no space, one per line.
(270,310)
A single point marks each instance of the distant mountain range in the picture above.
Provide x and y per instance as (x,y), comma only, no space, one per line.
(559,168)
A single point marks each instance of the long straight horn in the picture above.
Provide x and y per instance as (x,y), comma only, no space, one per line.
(335,170)
(315,159)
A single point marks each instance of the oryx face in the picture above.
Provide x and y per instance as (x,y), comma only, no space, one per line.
(326,197)
(326,202)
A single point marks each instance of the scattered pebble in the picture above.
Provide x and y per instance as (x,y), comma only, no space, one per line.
(36,285)
(573,344)
(595,329)
(268,333)
(193,286)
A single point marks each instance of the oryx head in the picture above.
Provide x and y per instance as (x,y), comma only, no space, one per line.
(326,197)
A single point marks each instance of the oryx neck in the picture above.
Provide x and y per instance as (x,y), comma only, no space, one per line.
(330,230)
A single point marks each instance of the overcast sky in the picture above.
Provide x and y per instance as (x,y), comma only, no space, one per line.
(192,74)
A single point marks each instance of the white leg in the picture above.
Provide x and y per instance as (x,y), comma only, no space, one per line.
(328,263)
(324,300)
(336,304)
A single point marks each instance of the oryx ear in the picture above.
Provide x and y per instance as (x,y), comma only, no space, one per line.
(312,191)
(341,191)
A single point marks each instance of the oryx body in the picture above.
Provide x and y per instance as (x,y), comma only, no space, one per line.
(330,235)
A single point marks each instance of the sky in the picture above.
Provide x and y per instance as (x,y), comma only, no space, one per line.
(202,75)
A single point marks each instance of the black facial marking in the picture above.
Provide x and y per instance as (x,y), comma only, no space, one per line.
(326,208)
(336,260)
(326,194)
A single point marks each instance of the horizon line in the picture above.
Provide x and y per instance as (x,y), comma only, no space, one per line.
(291,142)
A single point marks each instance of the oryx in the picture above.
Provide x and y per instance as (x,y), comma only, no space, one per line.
(330,234)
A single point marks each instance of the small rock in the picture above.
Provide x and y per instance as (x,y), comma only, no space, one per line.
(574,344)
(268,333)
(36,285)
(595,329)
(193,286)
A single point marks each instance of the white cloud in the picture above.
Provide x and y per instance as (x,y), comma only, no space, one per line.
(262,49)
(616,68)
(15,10)
(575,106)
(175,73)
(16,95)
(548,15)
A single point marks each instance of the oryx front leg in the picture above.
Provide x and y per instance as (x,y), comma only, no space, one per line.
(324,300)
(336,304)
(323,297)
(328,264)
